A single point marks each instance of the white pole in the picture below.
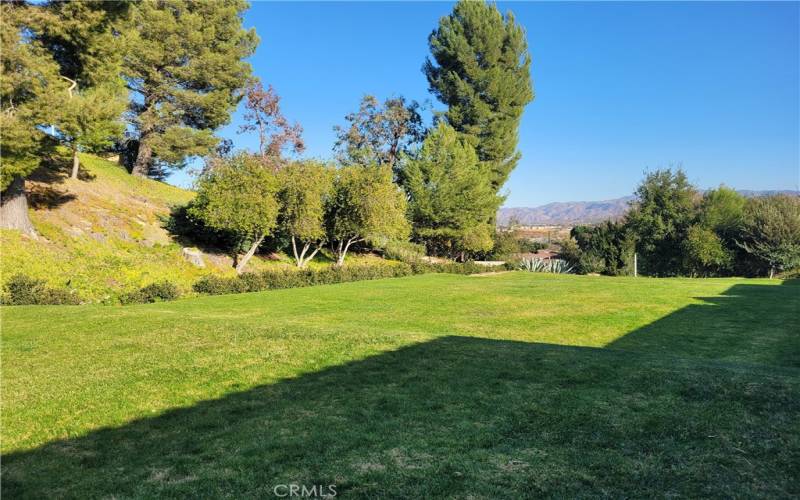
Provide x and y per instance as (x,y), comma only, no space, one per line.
(635,266)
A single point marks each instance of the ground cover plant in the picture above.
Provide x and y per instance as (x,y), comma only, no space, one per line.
(501,386)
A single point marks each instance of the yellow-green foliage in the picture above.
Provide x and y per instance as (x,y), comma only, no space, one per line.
(103,236)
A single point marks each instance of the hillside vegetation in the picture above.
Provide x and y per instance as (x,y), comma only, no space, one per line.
(435,386)
(104,234)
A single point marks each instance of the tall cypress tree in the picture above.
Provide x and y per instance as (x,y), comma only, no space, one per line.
(185,66)
(481,70)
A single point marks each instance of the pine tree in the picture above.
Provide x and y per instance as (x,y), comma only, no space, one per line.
(29,90)
(185,66)
(86,40)
(451,201)
(481,71)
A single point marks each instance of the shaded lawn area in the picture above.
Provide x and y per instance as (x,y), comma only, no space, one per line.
(428,386)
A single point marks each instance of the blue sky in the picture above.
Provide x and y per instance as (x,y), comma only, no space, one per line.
(620,87)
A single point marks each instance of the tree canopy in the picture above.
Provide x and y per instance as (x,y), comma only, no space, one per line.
(238,197)
(366,205)
(306,187)
(30,93)
(185,66)
(379,133)
(660,218)
(772,231)
(451,200)
(480,68)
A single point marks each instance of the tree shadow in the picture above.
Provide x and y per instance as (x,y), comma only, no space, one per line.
(453,417)
(748,322)
(43,189)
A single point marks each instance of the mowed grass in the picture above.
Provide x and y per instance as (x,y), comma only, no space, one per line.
(507,386)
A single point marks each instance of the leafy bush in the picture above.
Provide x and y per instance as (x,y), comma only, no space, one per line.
(216,285)
(23,290)
(155,292)
(591,263)
(556,266)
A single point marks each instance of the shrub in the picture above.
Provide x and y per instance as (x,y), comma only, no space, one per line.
(556,266)
(215,285)
(155,292)
(591,263)
(296,278)
(23,290)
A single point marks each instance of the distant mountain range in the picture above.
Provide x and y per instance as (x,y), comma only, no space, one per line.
(585,212)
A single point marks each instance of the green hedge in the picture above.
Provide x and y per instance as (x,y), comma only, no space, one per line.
(290,278)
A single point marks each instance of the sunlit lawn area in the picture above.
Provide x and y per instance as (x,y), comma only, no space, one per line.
(500,386)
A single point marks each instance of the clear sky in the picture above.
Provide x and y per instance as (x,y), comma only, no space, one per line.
(620,87)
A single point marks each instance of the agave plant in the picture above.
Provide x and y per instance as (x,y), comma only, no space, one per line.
(556,266)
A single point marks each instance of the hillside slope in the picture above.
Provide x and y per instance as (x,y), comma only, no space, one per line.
(102,234)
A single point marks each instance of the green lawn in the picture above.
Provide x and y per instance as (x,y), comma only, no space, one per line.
(505,386)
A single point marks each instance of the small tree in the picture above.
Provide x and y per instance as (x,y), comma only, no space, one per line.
(451,198)
(304,193)
(660,218)
(91,120)
(771,231)
(366,205)
(85,39)
(705,253)
(238,197)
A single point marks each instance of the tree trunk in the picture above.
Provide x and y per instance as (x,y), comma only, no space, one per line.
(76,163)
(771,271)
(14,208)
(243,261)
(310,257)
(144,157)
(341,250)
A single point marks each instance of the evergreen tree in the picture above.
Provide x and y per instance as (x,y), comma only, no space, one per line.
(185,66)
(481,71)
(29,94)
(451,201)
(86,40)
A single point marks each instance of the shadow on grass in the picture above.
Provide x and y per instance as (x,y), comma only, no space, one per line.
(749,322)
(461,416)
